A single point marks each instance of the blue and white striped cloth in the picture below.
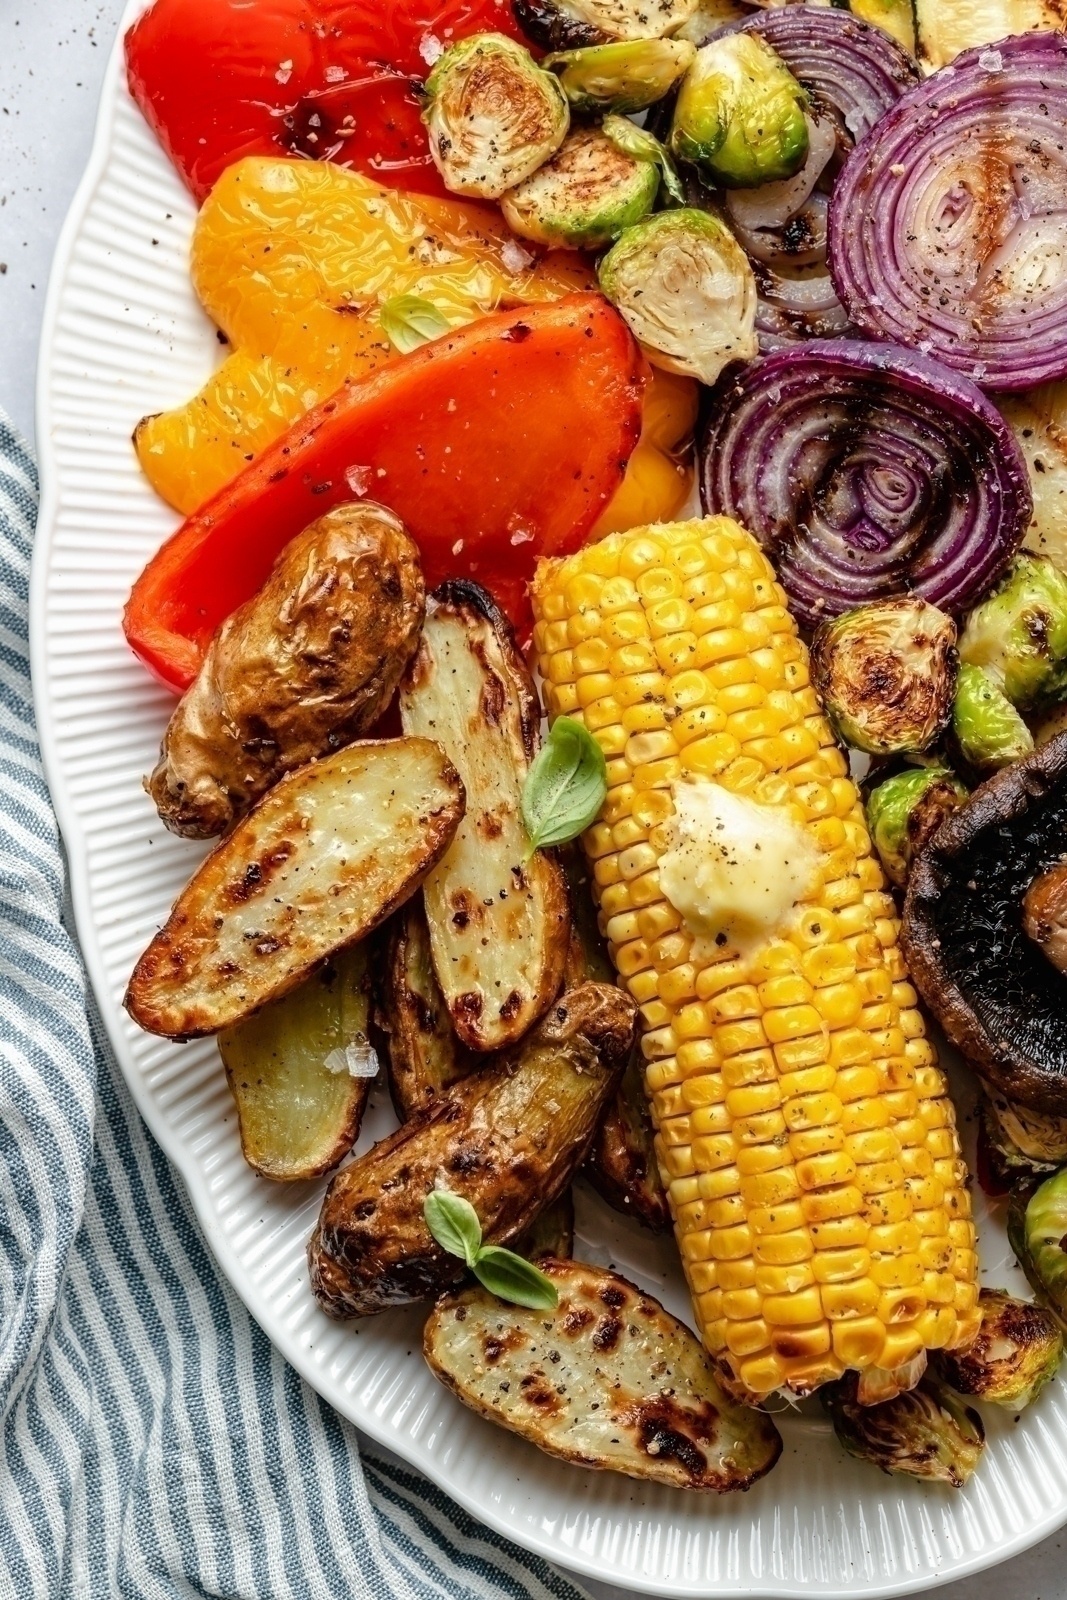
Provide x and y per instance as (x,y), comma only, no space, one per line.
(154,1445)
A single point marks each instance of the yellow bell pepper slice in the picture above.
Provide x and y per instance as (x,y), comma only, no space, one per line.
(292,260)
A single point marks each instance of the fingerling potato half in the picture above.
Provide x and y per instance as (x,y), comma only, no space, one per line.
(553,1232)
(298,1071)
(498,922)
(621,1164)
(508,1139)
(323,858)
(609,1379)
(423,1054)
(304,667)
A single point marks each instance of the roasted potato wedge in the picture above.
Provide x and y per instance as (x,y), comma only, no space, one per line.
(498,922)
(621,1164)
(553,1232)
(301,1069)
(508,1139)
(608,1380)
(323,858)
(423,1053)
(301,669)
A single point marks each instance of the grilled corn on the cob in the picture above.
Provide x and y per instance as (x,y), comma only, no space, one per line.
(803,1126)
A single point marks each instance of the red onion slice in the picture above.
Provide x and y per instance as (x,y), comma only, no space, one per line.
(866,471)
(948,225)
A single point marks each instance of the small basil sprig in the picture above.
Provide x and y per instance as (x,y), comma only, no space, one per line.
(454,1223)
(644,146)
(408,321)
(566,786)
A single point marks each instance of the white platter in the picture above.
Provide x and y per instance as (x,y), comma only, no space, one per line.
(124,336)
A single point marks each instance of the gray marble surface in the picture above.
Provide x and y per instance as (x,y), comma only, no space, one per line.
(52,58)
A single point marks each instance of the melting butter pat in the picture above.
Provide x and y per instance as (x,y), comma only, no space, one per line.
(735,869)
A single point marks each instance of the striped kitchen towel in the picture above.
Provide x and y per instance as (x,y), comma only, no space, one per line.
(154,1444)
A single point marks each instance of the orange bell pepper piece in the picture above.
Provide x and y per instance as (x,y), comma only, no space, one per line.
(496,444)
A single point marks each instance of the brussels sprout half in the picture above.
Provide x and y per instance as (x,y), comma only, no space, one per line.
(623,77)
(906,810)
(1037,1232)
(739,115)
(494,116)
(886,674)
(926,1432)
(585,196)
(576,24)
(686,289)
(986,726)
(1020,633)
(1016,1351)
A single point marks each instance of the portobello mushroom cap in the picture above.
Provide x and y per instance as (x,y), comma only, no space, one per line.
(996,993)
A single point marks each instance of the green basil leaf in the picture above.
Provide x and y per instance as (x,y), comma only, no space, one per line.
(566,786)
(644,146)
(454,1223)
(511,1277)
(408,321)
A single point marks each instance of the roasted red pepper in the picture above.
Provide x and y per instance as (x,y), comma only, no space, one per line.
(497,444)
(331,79)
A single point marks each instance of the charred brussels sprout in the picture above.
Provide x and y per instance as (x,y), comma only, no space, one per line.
(886,674)
(1038,1235)
(494,116)
(927,1432)
(585,196)
(576,24)
(1017,1350)
(739,115)
(906,810)
(624,77)
(987,727)
(686,289)
(1019,635)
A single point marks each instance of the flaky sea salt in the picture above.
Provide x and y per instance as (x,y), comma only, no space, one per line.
(514,257)
(335,74)
(430,48)
(358,480)
(358,1059)
(990,60)
(284,72)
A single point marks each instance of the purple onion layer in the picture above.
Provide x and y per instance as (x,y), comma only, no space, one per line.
(866,472)
(948,223)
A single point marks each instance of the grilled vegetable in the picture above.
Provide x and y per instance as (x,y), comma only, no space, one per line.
(623,77)
(765,1046)
(924,161)
(886,675)
(1001,1165)
(1039,422)
(508,1139)
(987,727)
(1045,914)
(997,997)
(686,290)
(1019,635)
(947,27)
(1037,1230)
(1017,1350)
(739,115)
(894,17)
(1033,1137)
(305,666)
(926,1432)
(300,1071)
(498,917)
(552,1234)
(494,116)
(608,1380)
(576,24)
(906,810)
(584,197)
(423,1056)
(917,484)
(316,865)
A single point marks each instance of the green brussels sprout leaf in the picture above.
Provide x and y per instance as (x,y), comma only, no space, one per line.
(989,730)
(644,146)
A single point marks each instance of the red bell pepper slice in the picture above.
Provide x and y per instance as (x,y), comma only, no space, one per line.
(330,79)
(496,445)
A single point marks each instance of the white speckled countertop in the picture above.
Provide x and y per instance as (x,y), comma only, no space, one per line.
(52,57)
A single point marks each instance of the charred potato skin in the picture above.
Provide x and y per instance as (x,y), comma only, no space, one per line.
(508,1139)
(304,667)
(621,1164)
(674,1425)
(185,986)
(422,1053)
(469,928)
